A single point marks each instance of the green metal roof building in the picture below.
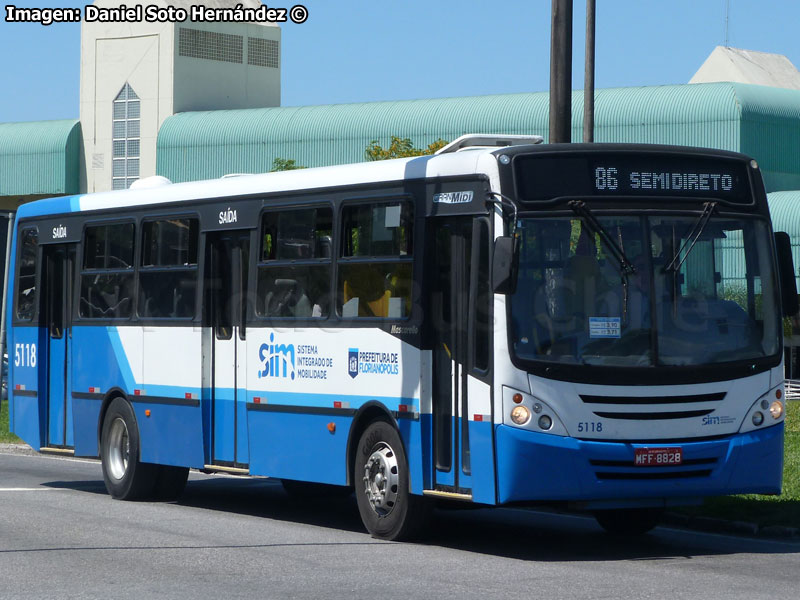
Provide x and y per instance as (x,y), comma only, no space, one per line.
(38,159)
(43,158)
(757,120)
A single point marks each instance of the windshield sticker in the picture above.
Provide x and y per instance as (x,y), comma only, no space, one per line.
(604,327)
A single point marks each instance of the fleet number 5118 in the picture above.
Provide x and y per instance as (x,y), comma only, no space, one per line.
(24,355)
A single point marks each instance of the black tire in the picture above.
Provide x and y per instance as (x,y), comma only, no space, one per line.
(126,478)
(170,482)
(632,521)
(380,477)
(307,490)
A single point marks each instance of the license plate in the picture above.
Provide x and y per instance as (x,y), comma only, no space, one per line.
(657,457)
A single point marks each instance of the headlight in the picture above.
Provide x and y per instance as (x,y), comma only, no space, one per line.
(520,415)
(526,411)
(771,404)
(776,409)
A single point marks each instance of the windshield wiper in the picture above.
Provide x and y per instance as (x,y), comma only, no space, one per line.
(697,230)
(626,267)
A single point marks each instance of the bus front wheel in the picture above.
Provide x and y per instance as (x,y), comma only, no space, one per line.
(381,481)
(126,478)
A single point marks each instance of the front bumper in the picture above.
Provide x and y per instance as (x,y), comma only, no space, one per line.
(535,466)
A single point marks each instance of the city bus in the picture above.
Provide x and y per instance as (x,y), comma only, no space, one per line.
(596,327)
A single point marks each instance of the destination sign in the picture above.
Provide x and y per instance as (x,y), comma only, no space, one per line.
(545,177)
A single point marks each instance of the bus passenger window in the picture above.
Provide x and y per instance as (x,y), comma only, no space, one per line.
(168,273)
(294,270)
(26,281)
(375,269)
(107,274)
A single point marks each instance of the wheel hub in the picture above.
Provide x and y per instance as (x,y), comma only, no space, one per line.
(119,448)
(381,479)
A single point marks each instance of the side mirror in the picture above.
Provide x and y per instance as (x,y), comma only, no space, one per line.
(505,261)
(783,248)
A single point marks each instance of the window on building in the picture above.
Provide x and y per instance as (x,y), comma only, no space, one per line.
(126,139)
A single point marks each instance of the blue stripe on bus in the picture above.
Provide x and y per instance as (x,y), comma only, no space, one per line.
(27,417)
(301,399)
(50,206)
(170,434)
(121,358)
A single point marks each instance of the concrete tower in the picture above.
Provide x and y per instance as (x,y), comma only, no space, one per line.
(136,74)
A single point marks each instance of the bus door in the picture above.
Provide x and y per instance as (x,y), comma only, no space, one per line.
(454,309)
(227,260)
(57,287)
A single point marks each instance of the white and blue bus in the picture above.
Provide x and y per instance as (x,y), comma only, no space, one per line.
(503,323)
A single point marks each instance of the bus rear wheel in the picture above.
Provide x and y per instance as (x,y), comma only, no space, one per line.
(631,521)
(380,474)
(126,478)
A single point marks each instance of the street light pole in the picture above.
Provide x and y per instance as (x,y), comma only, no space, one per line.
(588,78)
(561,72)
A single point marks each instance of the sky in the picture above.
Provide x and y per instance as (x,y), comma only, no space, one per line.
(370,50)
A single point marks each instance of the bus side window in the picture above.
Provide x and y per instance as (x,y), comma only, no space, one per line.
(168,273)
(107,274)
(375,267)
(294,269)
(26,281)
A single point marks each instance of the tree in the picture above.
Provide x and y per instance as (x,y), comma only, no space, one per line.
(285,164)
(400,148)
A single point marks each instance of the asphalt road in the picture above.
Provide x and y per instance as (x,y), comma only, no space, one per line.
(61,536)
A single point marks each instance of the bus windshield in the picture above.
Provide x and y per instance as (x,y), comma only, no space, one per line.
(572,307)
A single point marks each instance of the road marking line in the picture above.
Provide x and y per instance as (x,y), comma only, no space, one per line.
(36,489)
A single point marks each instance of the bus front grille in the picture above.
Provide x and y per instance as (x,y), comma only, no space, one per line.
(623,470)
(653,416)
(653,400)
(641,408)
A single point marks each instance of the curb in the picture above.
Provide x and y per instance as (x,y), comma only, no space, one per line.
(18,449)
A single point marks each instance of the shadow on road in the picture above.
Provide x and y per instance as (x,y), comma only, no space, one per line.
(95,487)
(512,533)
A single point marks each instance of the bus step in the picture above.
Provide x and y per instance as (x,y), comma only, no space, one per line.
(447,495)
(224,469)
(59,451)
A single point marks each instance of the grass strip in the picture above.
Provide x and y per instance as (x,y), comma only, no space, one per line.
(765,511)
(6,437)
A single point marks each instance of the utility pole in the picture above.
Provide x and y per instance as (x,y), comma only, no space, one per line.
(561,72)
(588,78)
